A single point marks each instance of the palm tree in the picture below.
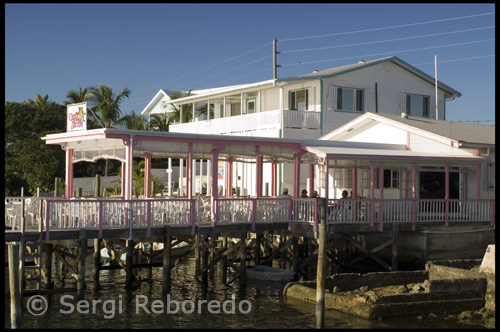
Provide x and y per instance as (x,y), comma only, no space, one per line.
(39,101)
(133,121)
(187,110)
(107,104)
(75,97)
(159,122)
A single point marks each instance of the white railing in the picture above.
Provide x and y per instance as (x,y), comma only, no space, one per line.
(105,213)
(251,122)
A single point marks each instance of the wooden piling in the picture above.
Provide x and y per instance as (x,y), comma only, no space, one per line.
(223,261)
(167,256)
(243,257)
(395,235)
(14,286)
(80,286)
(129,263)
(204,261)
(97,261)
(197,256)
(213,244)
(322,263)
(49,248)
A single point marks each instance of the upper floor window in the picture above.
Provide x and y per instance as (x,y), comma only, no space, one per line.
(417,105)
(299,100)
(349,99)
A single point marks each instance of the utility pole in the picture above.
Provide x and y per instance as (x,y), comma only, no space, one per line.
(275,66)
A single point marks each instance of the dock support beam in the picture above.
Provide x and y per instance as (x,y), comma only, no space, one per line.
(167,251)
(97,261)
(322,262)
(15,286)
(80,286)
(243,258)
(49,248)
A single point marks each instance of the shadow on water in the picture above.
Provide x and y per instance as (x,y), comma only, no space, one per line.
(258,305)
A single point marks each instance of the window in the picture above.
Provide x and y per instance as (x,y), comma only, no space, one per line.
(417,105)
(350,99)
(299,100)
(250,106)
(392,178)
(342,178)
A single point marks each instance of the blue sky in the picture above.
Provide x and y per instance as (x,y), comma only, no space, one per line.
(54,48)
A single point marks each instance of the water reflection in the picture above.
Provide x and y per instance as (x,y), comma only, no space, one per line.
(269,309)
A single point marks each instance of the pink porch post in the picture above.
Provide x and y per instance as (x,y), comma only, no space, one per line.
(229,185)
(414,194)
(296,182)
(274,178)
(215,183)
(258,173)
(447,194)
(381,206)
(69,173)
(189,172)
(123,185)
(147,175)
(372,192)
(311,179)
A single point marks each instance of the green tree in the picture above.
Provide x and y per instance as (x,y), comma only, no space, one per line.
(187,110)
(107,104)
(75,97)
(28,160)
(159,122)
(133,121)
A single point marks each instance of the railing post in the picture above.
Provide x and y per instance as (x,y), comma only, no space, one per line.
(148,218)
(99,218)
(47,220)
(492,212)
(254,213)
(192,207)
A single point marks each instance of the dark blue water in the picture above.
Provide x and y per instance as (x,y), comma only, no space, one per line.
(258,305)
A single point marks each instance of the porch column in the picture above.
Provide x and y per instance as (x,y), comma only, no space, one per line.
(128,170)
(381,205)
(296,184)
(372,192)
(258,173)
(327,184)
(215,165)
(69,173)
(446,194)
(147,175)
(414,194)
(354,183)
(478,182)
(311,179)
(124,179)
(229,175)
(274,178)
(189,172)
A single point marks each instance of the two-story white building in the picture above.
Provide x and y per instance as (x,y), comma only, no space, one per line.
(306,107)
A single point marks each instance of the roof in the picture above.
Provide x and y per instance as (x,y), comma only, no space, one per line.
(328,73)
(464,134)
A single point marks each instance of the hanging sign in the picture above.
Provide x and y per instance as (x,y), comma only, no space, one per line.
(76,117)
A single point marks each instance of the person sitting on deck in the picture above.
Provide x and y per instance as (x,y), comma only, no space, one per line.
(304,194)
(344,194)
(314,194)
(285,193)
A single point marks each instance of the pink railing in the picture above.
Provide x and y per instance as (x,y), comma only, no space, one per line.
(106,213)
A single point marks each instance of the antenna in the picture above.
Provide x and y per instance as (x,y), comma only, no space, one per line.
(436,75)
(275,66)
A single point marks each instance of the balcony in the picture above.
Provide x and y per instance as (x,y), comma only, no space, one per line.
(252,122)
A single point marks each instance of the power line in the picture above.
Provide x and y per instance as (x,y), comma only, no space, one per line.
(385,53)
(385,41)
(385,28)
(453,60)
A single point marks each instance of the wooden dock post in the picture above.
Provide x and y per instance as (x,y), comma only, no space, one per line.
(204,261)
(395,236)
(167,253)
(197,256)
(80,285)
(223,261)
(213,244)
(49,248)
(322,262)
(243,257)
(129,263)
(97,261)
(14,286)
